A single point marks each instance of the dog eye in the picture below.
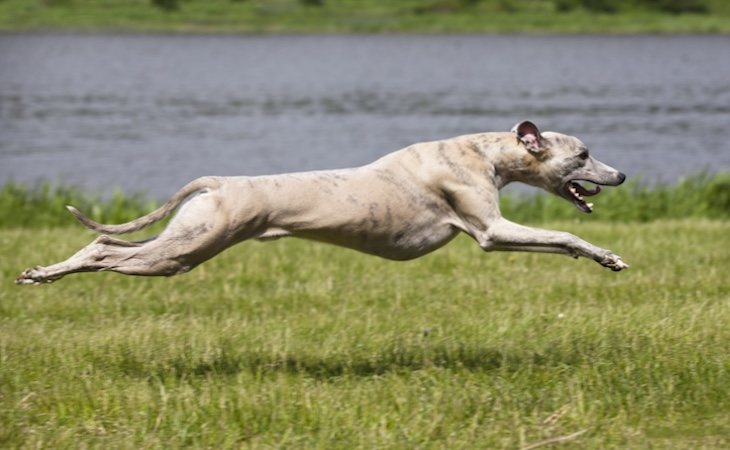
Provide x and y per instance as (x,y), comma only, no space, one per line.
(583,154)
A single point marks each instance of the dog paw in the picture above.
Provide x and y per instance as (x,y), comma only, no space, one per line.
(614,262)
(35,275)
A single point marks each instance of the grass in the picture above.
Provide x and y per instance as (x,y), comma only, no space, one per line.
(294,344)
(369,16)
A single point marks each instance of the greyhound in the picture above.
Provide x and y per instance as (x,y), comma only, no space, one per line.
(402,206)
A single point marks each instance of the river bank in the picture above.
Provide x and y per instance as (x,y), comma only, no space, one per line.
(370,16)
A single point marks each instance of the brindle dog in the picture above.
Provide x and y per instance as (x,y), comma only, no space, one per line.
(400,207)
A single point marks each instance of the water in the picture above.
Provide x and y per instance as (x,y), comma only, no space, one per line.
(147,113)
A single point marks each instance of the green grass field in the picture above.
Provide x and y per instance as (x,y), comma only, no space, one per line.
(293,344)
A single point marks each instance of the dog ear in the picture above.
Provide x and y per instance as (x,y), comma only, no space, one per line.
(529,135)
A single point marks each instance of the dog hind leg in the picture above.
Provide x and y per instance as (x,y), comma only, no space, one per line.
(154,257)
(103,253)
(197,233)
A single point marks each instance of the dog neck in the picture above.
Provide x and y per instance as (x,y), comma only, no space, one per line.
(509,159)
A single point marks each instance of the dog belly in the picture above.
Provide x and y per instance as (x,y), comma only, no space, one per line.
(400,245)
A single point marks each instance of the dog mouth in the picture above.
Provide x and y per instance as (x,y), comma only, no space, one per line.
(574,191)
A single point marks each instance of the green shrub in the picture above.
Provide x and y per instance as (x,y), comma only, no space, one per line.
(167,5)
(615,6)
(45,206)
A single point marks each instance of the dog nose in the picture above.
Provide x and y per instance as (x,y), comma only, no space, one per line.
(621,177)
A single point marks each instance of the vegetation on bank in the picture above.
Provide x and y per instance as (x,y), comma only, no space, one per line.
(296,344)
(368,16)
(698,196)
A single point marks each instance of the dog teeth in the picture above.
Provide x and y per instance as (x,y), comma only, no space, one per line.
(574,192)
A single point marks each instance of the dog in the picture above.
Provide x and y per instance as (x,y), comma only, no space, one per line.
(402,206)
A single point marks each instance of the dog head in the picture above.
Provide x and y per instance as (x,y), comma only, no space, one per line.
(561,163)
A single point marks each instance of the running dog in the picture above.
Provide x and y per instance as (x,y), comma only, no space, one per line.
(402,206)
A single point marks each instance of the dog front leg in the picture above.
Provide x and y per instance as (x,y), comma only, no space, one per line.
(509,236)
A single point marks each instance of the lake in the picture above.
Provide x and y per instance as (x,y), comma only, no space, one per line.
(148,113)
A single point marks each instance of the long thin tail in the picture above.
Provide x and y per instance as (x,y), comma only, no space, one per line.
(154,216)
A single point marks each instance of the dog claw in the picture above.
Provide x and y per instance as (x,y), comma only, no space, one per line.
(36,275)
(26,278)
(614,262)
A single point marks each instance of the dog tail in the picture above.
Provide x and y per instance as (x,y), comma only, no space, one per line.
(155,216)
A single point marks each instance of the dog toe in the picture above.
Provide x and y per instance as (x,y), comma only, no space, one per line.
(614,262)
(31,276)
